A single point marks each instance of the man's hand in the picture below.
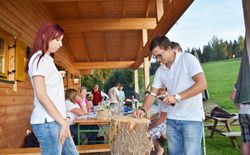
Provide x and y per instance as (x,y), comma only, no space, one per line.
(170,100)
(233,93)
(138,113)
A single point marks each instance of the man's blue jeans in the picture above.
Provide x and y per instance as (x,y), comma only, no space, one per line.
(184,137)
(48,137)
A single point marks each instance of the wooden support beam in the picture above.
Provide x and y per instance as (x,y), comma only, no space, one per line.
(159,9)
(136,81)
(123,8)
(86,72)
(170,17)
(86,46)
(144,37)
(103,65)
(55,1)
(146,60)
(86,25)
(146,72)
(146,15)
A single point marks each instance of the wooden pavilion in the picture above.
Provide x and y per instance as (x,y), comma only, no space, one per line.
(99,34)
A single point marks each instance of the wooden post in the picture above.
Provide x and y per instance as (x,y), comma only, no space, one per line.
(137,90)
(146,62)
(146,72)
(159,9)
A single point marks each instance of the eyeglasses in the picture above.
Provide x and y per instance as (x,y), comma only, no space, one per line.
(158,56)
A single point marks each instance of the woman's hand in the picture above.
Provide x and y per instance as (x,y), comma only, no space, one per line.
(64,132)
(90,105)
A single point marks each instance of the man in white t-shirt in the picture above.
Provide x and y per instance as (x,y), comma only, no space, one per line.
(182,75)
(114,93)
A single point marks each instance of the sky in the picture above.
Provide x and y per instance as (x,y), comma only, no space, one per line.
(207,18)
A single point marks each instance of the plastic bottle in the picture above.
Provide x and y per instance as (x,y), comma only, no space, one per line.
(133,102)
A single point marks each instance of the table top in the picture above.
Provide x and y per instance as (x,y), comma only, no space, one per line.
(222,119)
(92,121)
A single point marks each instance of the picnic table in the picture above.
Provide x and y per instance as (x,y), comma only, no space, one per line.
(91,121)
(222,126)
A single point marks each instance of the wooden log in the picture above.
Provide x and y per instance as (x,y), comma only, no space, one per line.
(128,135)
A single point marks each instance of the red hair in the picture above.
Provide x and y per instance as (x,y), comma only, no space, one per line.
(45,34)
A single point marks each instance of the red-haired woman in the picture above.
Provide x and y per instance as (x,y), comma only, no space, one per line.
(49,120)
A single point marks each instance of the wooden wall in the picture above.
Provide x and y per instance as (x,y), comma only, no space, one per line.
(15,110)
(21,19)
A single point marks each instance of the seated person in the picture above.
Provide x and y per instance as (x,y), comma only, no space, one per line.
(74,110)
(114,94)
(121,94)
(157,128)
(82,101)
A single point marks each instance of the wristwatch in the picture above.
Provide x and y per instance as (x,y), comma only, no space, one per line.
(177,98)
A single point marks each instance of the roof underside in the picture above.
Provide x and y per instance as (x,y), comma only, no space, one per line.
(101,31)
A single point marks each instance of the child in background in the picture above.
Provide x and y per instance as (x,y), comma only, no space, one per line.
(74,110)
(82,100)
(121,94)
(157,128)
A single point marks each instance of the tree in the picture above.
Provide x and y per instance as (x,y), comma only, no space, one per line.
(154,66)
(98,77)
(123,76)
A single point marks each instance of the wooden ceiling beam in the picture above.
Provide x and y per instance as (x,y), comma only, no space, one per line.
(159,9)
(55,1)
(103,65)
(140,45)
(86,72)
(86,46)
(86,25)
(170,17)
(123,8)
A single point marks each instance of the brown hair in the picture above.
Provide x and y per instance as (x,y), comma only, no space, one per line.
(71,95)
(162,41)
(45,34)
(81,89)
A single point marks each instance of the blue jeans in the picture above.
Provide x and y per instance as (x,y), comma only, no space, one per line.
(48,137)
(184,137)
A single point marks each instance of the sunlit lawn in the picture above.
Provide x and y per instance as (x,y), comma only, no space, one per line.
(221,77)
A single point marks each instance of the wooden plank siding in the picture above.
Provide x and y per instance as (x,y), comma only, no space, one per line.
(15,111)
(21,19)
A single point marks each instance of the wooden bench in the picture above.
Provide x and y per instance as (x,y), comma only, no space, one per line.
(96,148)
(232,136)
(211,125)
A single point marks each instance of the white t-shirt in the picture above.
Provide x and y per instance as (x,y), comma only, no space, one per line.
(177,79)
(162,107)
(244,109)
(54,87)
(70,106)
(113,93)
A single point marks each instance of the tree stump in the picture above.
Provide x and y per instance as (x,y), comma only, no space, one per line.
(129,136)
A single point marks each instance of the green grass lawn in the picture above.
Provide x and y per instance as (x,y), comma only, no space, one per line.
(221,77)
